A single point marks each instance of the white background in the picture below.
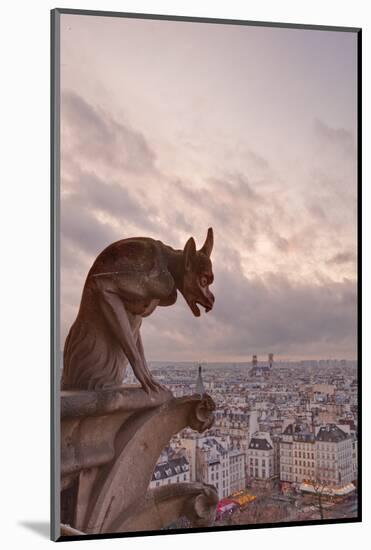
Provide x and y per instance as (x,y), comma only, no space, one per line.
(24,268)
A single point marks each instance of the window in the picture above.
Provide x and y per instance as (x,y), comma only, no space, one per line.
(185,477)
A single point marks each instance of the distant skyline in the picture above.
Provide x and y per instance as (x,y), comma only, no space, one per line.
(171,127)
(262,360)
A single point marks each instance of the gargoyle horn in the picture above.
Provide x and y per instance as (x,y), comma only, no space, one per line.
(208,245)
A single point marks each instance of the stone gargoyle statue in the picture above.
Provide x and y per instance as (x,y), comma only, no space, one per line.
(126,282)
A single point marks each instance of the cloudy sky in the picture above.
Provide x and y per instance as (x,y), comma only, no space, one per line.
(171,127)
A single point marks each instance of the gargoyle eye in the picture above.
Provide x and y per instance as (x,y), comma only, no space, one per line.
(203,281)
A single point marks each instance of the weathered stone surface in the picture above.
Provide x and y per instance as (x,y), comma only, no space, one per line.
(91,420)
(110,446)
(164,505)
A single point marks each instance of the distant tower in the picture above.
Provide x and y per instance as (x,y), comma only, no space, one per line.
(200,388)
(270,360)
(254,361)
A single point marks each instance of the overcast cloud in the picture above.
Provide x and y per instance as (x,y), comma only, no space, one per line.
(168,129)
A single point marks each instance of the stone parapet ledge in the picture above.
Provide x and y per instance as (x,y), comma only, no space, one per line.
(110,443)
(81,403)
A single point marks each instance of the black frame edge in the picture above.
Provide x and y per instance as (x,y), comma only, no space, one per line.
(306,523)
(359,266)
(54,275)
(195,19)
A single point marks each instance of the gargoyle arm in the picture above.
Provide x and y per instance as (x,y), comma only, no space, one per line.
(117,318)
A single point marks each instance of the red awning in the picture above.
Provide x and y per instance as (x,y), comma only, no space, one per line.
(226,504)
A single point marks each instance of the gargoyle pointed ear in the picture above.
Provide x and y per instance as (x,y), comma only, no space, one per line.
(208,245)
(189,253)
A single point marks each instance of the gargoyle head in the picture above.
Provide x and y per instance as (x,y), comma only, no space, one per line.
(198,275)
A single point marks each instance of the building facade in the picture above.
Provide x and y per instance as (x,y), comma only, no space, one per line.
(323,458)
(237,477)
(303,449)
(212,464)
(334,460)
(260,457)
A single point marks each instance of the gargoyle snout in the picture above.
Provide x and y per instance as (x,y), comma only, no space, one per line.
(211,299)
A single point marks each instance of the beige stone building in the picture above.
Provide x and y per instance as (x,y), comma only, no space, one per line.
(260,457)
(212,464)
(237,478)
(303,456)
(286,459)
(334,456)
(326,457)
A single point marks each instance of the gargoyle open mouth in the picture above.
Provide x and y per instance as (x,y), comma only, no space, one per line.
(196,310)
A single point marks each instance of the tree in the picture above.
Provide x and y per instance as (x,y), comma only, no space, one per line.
(262,511)
(318,487)
(320,491)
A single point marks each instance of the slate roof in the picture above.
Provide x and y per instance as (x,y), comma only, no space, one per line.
(331,433)
(260,444)
(296,428)
(212,442)
(172,467)
(306,437)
